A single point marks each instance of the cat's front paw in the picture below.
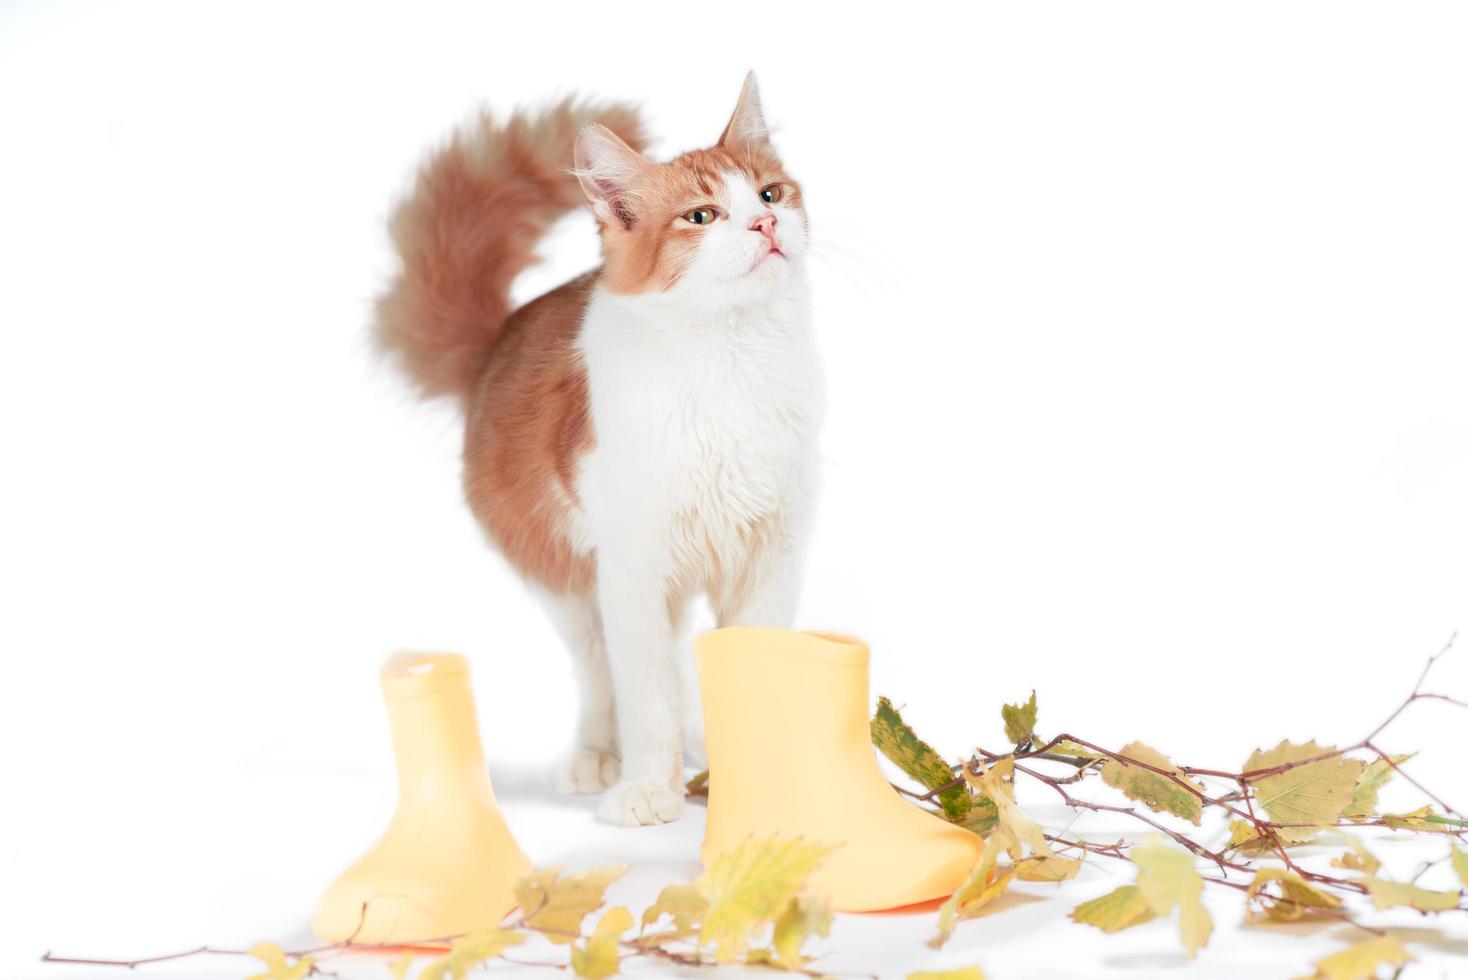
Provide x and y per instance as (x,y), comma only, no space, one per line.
(587,771)
(638,804)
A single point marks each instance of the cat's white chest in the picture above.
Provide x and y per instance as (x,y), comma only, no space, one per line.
(705,429)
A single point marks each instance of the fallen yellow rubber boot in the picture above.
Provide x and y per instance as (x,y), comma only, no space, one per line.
(447,863)
(790,754)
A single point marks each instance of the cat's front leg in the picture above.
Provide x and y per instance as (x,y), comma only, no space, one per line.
(641,634)
(765,589)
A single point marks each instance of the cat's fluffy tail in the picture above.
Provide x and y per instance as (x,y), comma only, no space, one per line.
(469,226)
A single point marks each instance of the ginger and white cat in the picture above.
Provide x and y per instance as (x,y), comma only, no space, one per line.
(640,434)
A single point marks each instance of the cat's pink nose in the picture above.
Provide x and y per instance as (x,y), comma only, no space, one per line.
(765,225)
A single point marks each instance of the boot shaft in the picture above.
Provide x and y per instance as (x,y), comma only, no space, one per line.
(434,731)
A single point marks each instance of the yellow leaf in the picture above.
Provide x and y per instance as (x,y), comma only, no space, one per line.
(1419,819)
(1116,910)
(986,882)
(1361,961)
(682,902)
(1015,828)
(400,966)
(898,742)
(1293,899)
(276,966)
(1388,894)
(1046,867)
(1313,794)
(1158,792)
(806,916)
(1244,837)
(1358,858)
(749,887)
(1019,720)
(962,973)
(1373,778)
(470,951)
(1460,865)
(555,906)
(598,958)
(1168,879)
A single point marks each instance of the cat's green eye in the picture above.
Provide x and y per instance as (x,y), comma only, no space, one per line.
(771,194)
(701,216)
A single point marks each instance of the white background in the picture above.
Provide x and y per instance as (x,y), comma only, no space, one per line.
(1145,333)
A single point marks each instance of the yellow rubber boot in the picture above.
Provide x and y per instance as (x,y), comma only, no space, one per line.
(447,863)
(790,754)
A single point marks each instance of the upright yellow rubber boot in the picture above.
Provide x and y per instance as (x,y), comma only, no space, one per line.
(790,754)
(447,863)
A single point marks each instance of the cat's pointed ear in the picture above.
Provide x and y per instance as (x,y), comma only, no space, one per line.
(609,171)
(747,125)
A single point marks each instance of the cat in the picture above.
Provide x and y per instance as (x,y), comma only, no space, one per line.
(639,435)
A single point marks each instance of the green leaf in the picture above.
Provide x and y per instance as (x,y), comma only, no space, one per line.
(982,817)
(898,742)
(1019,720)
(1158,792)
(1116,910)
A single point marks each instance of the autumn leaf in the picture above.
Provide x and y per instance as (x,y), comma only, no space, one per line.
(470,951)
(962,973)
(1422,819)
(597,957)
(1168,880)
(1358,858)
(986,882)
(1158,792)
(698,785)
(1315,793)
(806,916)
(555,906)
(683,902)
(982,816)
(898,742)
(1076,751)
(1460,865)
(1019,720)
(1015,828)
(1245,838)
(401,966)
(1389,894)
(1373,778)
(1119,909)
(750,887)
(1294,898)
(276,966)
(1361,961)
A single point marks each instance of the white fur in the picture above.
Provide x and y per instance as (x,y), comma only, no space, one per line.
(706,402)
